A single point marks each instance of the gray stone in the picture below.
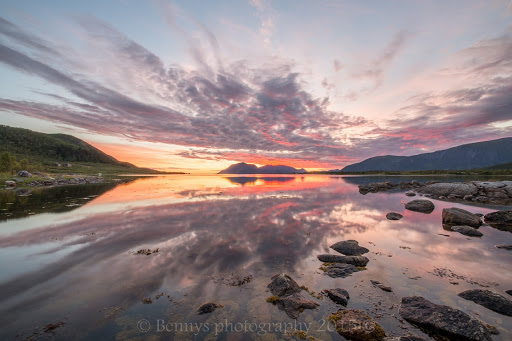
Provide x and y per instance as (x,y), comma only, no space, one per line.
(349,248)
(338,295)
(355,324)
(442,320)
(381,286)
(207,308)
(404,338)
(500,219)
(9,183)
(467,231)
(446,189)
(490,300)
(282,285)
(336,270)
(457,216)
(410,194)
(504,247)
(394,216)
(421,205)
(24,174)
(354,260)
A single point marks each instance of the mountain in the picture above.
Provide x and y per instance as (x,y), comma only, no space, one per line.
(245,168)
(51,148)
(467,156)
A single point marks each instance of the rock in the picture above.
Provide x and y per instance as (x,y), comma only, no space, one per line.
(442,320)
(208,308)
(24,174)
(509,292)
(467,231)
(410,194)
(355,324)
(9,183)
(394,216)
(454,188)
(354,260)
(468,197)
(504,247)
(422,205)
(336,270)
(404,338)
(381,286)
(288,297)
(349,248)
(283,285)
(500,219)
(339,296)
(490,300)
(457,216)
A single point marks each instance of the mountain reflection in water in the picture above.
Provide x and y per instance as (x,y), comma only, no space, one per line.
(80,267)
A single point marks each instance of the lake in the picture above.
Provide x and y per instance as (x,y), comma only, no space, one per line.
(69,268)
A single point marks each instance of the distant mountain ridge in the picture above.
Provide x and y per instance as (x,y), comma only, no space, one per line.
(246,168)
(467,156)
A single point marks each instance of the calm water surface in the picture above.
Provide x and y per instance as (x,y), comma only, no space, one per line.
(67,258)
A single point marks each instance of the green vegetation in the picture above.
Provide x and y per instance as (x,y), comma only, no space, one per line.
(505,169)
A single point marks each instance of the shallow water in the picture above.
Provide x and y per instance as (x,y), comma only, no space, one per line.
(77,265)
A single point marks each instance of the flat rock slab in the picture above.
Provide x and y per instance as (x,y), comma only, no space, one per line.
(467,231)
(442,320)
(490,300)
(283,285)
(410,194)
(349,248)
(207,308)
(381,286)
(404,338)
(355,324)
(336,270)
(354,260)
(394,216)
(338,295)
(504,247)
(501,220)
(457,217)
(420,205)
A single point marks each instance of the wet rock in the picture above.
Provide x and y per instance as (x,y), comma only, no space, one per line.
(336,270)
(355,324)
(410,194)
(457,217)
(467,231)
(349,248)
(381,286)
(500,219)
(490,300)
(394,216)
(208,308)
(447,189)
(421,205)
(354,260)
(442,320)
(287,296)
(24,174)
(404,338)
(509,292)
(283,285)
(9,183)
(504,247)
(338,295)
(468,197)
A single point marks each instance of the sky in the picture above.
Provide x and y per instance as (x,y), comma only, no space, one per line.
(199,85)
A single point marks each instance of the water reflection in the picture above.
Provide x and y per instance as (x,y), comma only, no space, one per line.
(209,227)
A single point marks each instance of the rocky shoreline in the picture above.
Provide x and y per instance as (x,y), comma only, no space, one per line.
(41,180)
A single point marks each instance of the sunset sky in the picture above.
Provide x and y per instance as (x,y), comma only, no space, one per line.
(199,85)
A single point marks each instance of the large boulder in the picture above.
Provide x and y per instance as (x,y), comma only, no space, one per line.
(490,300)
(349,248)
(457,217)
(354,260)
(467,231)
(453,189)
(500,219)
(283,285)
(355,324)
(24,174)
(442,320)
(421,205)
(394,216)
(338,295)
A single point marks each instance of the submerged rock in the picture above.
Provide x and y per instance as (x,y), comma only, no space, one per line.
(381,286)
(457,216)
(404,338)
(420,205)
(338,295)
(505,247)
(287,296)
(500,219)
(336,270)
(410,194)
(354,260)
(509,292)
(355,324)
(208,308)
(443,320)
(467,231)
(490,300)
(349,248)
(394,216)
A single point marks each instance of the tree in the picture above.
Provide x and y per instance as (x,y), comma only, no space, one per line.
(24,164)
(7,162)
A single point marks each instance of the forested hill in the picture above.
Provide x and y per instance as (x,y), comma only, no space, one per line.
(45,148)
